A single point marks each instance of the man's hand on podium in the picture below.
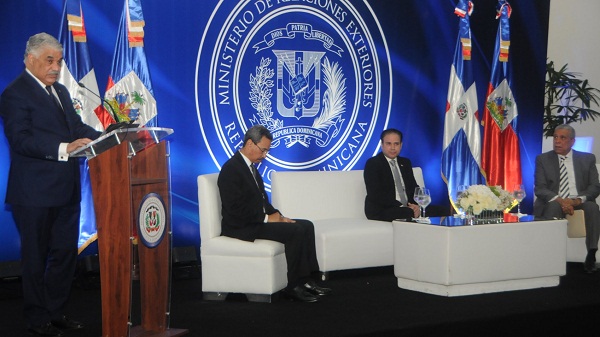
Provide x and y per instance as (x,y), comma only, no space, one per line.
(77,144)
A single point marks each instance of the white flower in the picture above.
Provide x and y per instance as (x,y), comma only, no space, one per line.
(506,199)
(481,197)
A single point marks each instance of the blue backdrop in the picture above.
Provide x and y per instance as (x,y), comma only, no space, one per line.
(418,37)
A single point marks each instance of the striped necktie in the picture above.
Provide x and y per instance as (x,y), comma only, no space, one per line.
(398,182)
(564,179)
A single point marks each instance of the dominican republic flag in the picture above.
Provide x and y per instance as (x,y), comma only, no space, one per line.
(129,90)
(78,66)
(77,69)
(461,155)
(501,158)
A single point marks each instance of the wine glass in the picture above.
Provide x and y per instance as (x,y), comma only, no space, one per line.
(519,195)
(417,196)
(459,192)
(423,198)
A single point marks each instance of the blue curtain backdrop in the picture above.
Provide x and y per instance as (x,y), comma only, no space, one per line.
(421,38)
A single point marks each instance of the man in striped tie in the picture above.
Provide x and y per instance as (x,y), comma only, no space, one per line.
(566,180)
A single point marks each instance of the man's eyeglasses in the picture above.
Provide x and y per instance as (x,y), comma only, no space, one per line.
(263,150)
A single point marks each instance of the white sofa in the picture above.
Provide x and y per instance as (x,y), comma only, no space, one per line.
(257,269)
(334,202)
(345,238)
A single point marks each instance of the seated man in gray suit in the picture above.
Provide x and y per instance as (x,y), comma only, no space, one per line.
(566,180)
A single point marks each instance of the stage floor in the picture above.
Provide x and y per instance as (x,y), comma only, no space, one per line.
(365,302)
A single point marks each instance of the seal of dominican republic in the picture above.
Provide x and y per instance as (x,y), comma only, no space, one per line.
(152,220)
(316,73)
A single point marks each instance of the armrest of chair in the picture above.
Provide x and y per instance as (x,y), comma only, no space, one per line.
(576,224)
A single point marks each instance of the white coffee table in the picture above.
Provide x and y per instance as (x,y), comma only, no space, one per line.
(467,260)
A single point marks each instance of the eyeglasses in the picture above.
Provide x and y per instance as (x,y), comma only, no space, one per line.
(263,150)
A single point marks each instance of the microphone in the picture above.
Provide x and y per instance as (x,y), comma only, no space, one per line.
(114,126)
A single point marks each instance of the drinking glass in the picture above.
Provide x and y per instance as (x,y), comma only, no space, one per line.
(423,198)
(417,196)
(459,191)
(519,195)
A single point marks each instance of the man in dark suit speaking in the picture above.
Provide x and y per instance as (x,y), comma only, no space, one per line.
(43,188)
(566,180)
(248,215)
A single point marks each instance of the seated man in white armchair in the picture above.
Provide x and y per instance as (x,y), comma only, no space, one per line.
(248,215)
(566,180)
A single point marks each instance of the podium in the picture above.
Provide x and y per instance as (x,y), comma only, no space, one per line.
(130,186)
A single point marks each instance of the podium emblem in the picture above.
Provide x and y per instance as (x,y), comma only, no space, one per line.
(152,220)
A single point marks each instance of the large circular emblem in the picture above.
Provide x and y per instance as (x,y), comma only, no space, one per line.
(152,220)
(316,73)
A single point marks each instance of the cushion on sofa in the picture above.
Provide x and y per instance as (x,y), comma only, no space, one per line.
(353,243)
(319,195)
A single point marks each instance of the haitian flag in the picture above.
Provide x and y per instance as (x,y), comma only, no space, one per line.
(129,90)
(77,69)
(461,155)
(501,159)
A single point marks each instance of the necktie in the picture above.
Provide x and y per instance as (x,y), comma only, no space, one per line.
(398,182)
(254,174)
(257,179)
(54,99)
(564,179)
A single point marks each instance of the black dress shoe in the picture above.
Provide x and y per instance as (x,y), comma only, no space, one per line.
(314,289)
(66,323)
(45,330)
(590,267)
(299,293)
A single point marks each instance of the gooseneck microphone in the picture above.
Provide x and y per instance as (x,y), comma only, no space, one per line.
(117,125)
(104,102)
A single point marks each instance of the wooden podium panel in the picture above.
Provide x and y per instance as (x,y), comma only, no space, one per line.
(148,175)
(120,183)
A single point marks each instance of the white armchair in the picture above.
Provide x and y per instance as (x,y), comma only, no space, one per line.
(257,269)
(576,250)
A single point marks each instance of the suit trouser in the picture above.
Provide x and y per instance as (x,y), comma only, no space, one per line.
(395,213)
(592,219)
(48,257)
(299,241)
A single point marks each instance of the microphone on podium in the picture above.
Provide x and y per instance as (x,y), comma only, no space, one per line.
(114,126)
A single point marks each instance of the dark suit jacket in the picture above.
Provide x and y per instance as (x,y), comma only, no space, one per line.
(547,179)
(34,128)
(381,191)
(242,200)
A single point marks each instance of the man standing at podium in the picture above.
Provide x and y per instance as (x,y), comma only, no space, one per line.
(43,189)
(248,215)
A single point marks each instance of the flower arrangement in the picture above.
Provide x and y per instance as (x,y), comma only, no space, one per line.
(478,198)
(507,200)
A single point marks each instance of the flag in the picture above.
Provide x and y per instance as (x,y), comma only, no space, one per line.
(501,158)
(78,66)
(129,90)
(461,155)
(77,69)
